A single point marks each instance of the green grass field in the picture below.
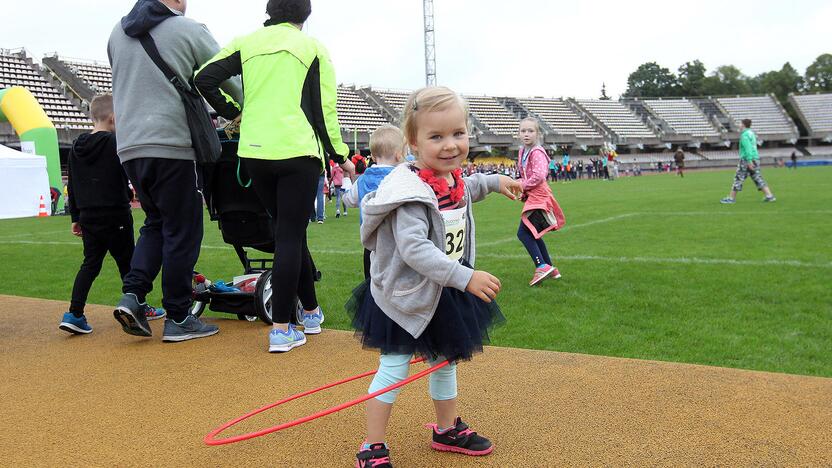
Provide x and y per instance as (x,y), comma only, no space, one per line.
(653,267)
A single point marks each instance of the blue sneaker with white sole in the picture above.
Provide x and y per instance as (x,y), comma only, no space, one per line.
(282,341)
(75,325)
(312,322)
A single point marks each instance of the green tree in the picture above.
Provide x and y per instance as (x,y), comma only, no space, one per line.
(651,80)
(726,80)
(819,74)
(779,82)
(692,79)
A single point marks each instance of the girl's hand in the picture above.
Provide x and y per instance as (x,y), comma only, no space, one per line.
(349,169)
(484,285)
(511,188)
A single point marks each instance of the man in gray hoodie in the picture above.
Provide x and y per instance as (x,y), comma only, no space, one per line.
(155,149)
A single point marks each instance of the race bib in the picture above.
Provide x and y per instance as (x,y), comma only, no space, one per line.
(454,232)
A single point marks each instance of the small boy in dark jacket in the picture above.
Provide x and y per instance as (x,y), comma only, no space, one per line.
(99,205)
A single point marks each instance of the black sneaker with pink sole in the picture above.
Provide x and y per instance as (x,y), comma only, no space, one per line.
(377,456)
(460,439)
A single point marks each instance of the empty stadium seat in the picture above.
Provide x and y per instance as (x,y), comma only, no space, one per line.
(617,117)
(558,115)
(816,113)
(767,117)
(683,117)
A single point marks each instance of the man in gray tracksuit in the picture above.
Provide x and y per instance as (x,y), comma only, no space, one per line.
(155,149)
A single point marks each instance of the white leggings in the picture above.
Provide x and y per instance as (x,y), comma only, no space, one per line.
(393,368)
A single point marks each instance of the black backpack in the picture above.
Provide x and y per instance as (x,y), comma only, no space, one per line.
(204,138)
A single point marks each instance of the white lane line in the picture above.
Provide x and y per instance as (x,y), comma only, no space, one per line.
(731,213)
(565,228)
(680,260)
(12,236)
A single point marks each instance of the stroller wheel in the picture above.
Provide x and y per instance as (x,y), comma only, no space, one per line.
(197,308)
(247,318)
(263,297)
(263,301)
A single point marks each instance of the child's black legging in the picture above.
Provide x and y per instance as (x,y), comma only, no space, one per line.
(287,190)
(535,247)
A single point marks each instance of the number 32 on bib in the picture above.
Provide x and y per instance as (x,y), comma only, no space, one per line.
(454,232)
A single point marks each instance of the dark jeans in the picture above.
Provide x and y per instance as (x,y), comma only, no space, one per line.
(101,235)
(287,188)
(170,193)
(318,212)
(535,247)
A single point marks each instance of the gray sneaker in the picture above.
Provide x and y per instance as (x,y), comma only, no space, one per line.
(131,315)
(189,329)
(727,201)
(770,199)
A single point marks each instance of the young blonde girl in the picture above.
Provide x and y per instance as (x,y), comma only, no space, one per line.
(541,212)
(424,296)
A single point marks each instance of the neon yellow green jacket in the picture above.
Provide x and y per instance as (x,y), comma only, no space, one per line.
(289,94)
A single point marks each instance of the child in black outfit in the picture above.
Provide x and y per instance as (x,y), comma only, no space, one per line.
(99,205)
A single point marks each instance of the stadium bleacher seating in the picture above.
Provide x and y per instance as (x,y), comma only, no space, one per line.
(683,117)
(815,111)
(652,158)
(16,70)
(617,118)
(99,77)
(646,124)
(560,117)
(355,114)
(492,114)
(782,153)
(768,118)
(820,150)
(395,99)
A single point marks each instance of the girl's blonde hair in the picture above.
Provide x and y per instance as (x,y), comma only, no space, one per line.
(536,125)
(430,99)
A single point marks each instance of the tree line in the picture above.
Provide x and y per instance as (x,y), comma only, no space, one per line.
(652,80)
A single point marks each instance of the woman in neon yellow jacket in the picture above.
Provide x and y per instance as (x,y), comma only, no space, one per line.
(288,129)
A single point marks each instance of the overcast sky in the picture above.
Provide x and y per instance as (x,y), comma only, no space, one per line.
(521,48)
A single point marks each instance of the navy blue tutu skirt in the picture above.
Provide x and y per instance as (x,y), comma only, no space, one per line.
(459,327)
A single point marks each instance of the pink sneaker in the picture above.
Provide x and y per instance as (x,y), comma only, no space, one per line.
(541,273)
(555,274)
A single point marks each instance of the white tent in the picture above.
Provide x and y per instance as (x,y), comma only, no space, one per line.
(23,180)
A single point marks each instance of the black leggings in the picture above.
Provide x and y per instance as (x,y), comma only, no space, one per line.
(286,188)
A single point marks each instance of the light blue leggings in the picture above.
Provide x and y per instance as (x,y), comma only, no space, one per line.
(393,368)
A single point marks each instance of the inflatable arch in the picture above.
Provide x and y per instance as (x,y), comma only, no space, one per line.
(37,133)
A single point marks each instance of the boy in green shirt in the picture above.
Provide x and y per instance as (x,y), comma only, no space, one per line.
(749,165)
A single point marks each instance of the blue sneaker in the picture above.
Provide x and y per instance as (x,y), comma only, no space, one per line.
(190,328)
(282,341)
(727,201)
(153,313)
(76,325)
(312,322)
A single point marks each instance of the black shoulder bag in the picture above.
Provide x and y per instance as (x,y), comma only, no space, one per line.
(204,137)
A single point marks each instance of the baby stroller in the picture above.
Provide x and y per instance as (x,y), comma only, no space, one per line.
(244,223)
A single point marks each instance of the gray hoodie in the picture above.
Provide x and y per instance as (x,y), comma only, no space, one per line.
(149,112)
(404,229)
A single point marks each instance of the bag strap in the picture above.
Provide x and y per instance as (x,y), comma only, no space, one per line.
(149,46)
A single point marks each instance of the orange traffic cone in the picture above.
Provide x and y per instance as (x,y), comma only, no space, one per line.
(42,208)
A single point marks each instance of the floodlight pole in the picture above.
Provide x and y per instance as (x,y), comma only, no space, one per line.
(430,45)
